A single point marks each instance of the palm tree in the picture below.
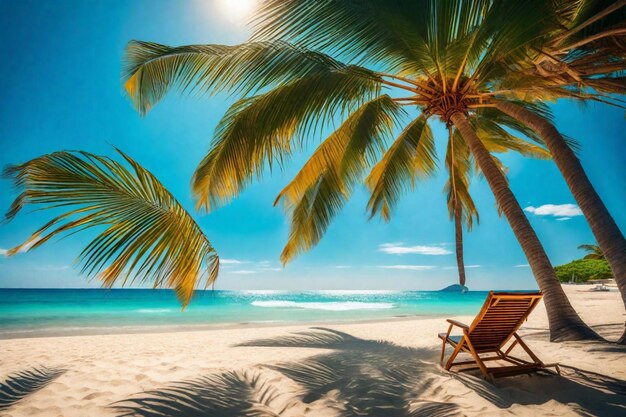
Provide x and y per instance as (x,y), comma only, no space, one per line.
(586,54)
(145,234)
(461,207)
(594,252)
(446,58)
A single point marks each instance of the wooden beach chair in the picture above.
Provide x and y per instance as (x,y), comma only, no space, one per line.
(497,323)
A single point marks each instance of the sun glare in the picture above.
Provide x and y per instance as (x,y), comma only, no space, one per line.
(237,10)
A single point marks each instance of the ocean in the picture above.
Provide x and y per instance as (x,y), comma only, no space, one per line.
(49,312)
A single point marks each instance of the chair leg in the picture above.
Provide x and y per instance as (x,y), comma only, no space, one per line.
(457,349)
(534,357)
(479,361)
(443,352)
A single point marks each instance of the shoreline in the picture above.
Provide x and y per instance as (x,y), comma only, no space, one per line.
(193,328)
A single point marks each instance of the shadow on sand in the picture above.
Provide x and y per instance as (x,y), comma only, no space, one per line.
(227,394)
(367,377)
(24,383)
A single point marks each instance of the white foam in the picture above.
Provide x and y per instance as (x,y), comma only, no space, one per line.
(153,310)
(331,306)
(264,292)
(356,292)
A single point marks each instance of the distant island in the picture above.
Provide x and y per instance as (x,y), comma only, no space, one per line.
(455,288)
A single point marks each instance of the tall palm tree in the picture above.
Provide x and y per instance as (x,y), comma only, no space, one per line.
(461,207)
(144,233)
(446,58)
(586,54)
(593,252)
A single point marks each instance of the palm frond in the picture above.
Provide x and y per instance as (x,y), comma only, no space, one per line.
(508,31)
(411,156)
(21,384)
(145,234)
(360,31)
(324,184)
(257,131)
(506,121)
(152,69)
(497,140)
(594,251)
(460,169)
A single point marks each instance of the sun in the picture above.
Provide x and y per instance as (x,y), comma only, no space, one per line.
(237,10)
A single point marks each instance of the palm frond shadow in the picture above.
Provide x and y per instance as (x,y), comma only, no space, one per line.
(229,394)
(379,378)
(590,392)
(366,377)
(23,383)
(363,377)
(596,380)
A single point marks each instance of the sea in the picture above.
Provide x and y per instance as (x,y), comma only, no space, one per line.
(53,312)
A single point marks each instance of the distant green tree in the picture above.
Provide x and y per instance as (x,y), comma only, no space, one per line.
(582,270)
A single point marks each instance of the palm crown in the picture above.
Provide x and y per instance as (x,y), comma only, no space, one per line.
(447,56)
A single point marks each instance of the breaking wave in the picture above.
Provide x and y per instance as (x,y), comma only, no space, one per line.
(329,306)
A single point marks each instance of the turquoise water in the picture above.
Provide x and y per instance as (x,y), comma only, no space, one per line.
(35,312)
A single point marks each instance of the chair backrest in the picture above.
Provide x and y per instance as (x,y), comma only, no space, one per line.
(502,314)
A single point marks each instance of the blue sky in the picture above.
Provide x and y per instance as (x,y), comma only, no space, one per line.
(60,84)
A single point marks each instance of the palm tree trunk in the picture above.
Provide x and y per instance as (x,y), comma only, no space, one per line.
(565,324)
(609,237)
(458,232)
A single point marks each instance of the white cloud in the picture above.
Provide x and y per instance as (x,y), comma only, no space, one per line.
(243,271)
(561,219)
(399,249)
(3,252)
(565,211)
(466,267)
(343,266)
(53,267)
(521,266)
(270,269)
(409,267)
(232,262)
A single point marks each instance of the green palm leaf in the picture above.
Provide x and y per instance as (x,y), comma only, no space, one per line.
(321,188)
(145,234)
(460,169)
(411,155)
(594,251)
(262,129)
(152,69)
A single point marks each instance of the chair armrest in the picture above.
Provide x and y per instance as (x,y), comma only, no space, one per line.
(458,324)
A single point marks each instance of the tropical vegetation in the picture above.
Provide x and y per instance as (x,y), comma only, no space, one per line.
(144,233)
(308,64)
(582,270)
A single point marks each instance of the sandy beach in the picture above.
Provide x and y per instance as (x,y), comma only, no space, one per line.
(385,368)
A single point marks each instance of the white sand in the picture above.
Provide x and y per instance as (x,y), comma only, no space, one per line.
(361,371)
